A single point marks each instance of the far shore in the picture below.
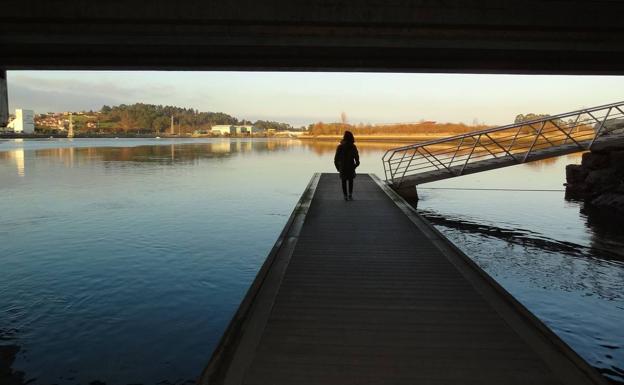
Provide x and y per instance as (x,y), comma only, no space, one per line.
(382,138)
(132,136)
(329,138)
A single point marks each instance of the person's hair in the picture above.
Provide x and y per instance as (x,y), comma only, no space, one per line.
(348,137)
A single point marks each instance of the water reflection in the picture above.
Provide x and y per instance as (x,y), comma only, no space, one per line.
(605,228)
(325,147)
(16,157)
(181,153)
(572,266)
(606,240)
(165,154)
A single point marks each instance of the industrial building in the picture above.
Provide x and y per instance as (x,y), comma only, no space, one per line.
(221,129)
(230,129)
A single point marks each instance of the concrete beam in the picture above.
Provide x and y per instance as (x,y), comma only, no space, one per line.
(4,99)
(486,36)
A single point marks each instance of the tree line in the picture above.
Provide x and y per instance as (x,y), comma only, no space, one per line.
(151,118)
(157,118)
(425,127)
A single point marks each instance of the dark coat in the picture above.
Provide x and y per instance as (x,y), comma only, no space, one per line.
(346,159)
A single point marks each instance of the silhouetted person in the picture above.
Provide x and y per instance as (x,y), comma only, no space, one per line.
(346,160)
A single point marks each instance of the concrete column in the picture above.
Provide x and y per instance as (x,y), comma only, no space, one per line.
(409,193)
(4,99)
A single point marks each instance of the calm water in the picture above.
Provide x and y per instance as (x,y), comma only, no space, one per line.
(122,261)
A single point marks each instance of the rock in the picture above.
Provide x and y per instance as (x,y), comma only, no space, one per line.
(615,144)
(8,376)
(616,159)
(601,180)
(575,173)
(609,201)
(595,161)
(576,192)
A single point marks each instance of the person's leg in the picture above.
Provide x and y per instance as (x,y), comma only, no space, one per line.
(344,187)
(350,187)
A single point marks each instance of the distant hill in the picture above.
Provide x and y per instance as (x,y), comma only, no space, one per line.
(141,118)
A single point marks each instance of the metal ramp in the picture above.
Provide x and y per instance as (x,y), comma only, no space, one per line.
(552,136)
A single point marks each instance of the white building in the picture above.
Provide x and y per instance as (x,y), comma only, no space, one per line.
(222,129)
(244,129)
(289,134)
(230,129)
(24,122)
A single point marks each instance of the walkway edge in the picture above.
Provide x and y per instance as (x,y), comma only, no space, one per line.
(547,344)
(238,343)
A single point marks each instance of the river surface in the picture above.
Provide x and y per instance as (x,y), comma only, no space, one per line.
(123,260)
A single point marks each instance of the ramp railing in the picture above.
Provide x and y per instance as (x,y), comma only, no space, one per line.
(511,144)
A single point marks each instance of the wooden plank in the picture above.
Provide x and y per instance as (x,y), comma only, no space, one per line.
(373,295)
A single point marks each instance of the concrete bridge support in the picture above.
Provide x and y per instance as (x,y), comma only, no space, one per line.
(409,193)
(4,99)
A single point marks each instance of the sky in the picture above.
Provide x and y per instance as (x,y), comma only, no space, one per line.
(301,98)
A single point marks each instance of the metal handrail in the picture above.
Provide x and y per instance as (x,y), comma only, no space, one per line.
(509,144)
(501,128)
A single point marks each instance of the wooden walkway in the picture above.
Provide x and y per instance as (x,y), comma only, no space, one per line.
(367,292)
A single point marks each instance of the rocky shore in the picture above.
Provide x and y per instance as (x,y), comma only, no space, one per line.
(8,376)
(599,179)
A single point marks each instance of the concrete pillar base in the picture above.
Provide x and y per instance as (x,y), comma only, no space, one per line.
(4,99)
(409,193)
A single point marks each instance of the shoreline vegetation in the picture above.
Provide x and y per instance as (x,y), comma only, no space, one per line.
(380,138)
(394,132)
(425,131)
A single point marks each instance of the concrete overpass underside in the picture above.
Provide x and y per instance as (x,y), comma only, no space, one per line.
(477,36)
